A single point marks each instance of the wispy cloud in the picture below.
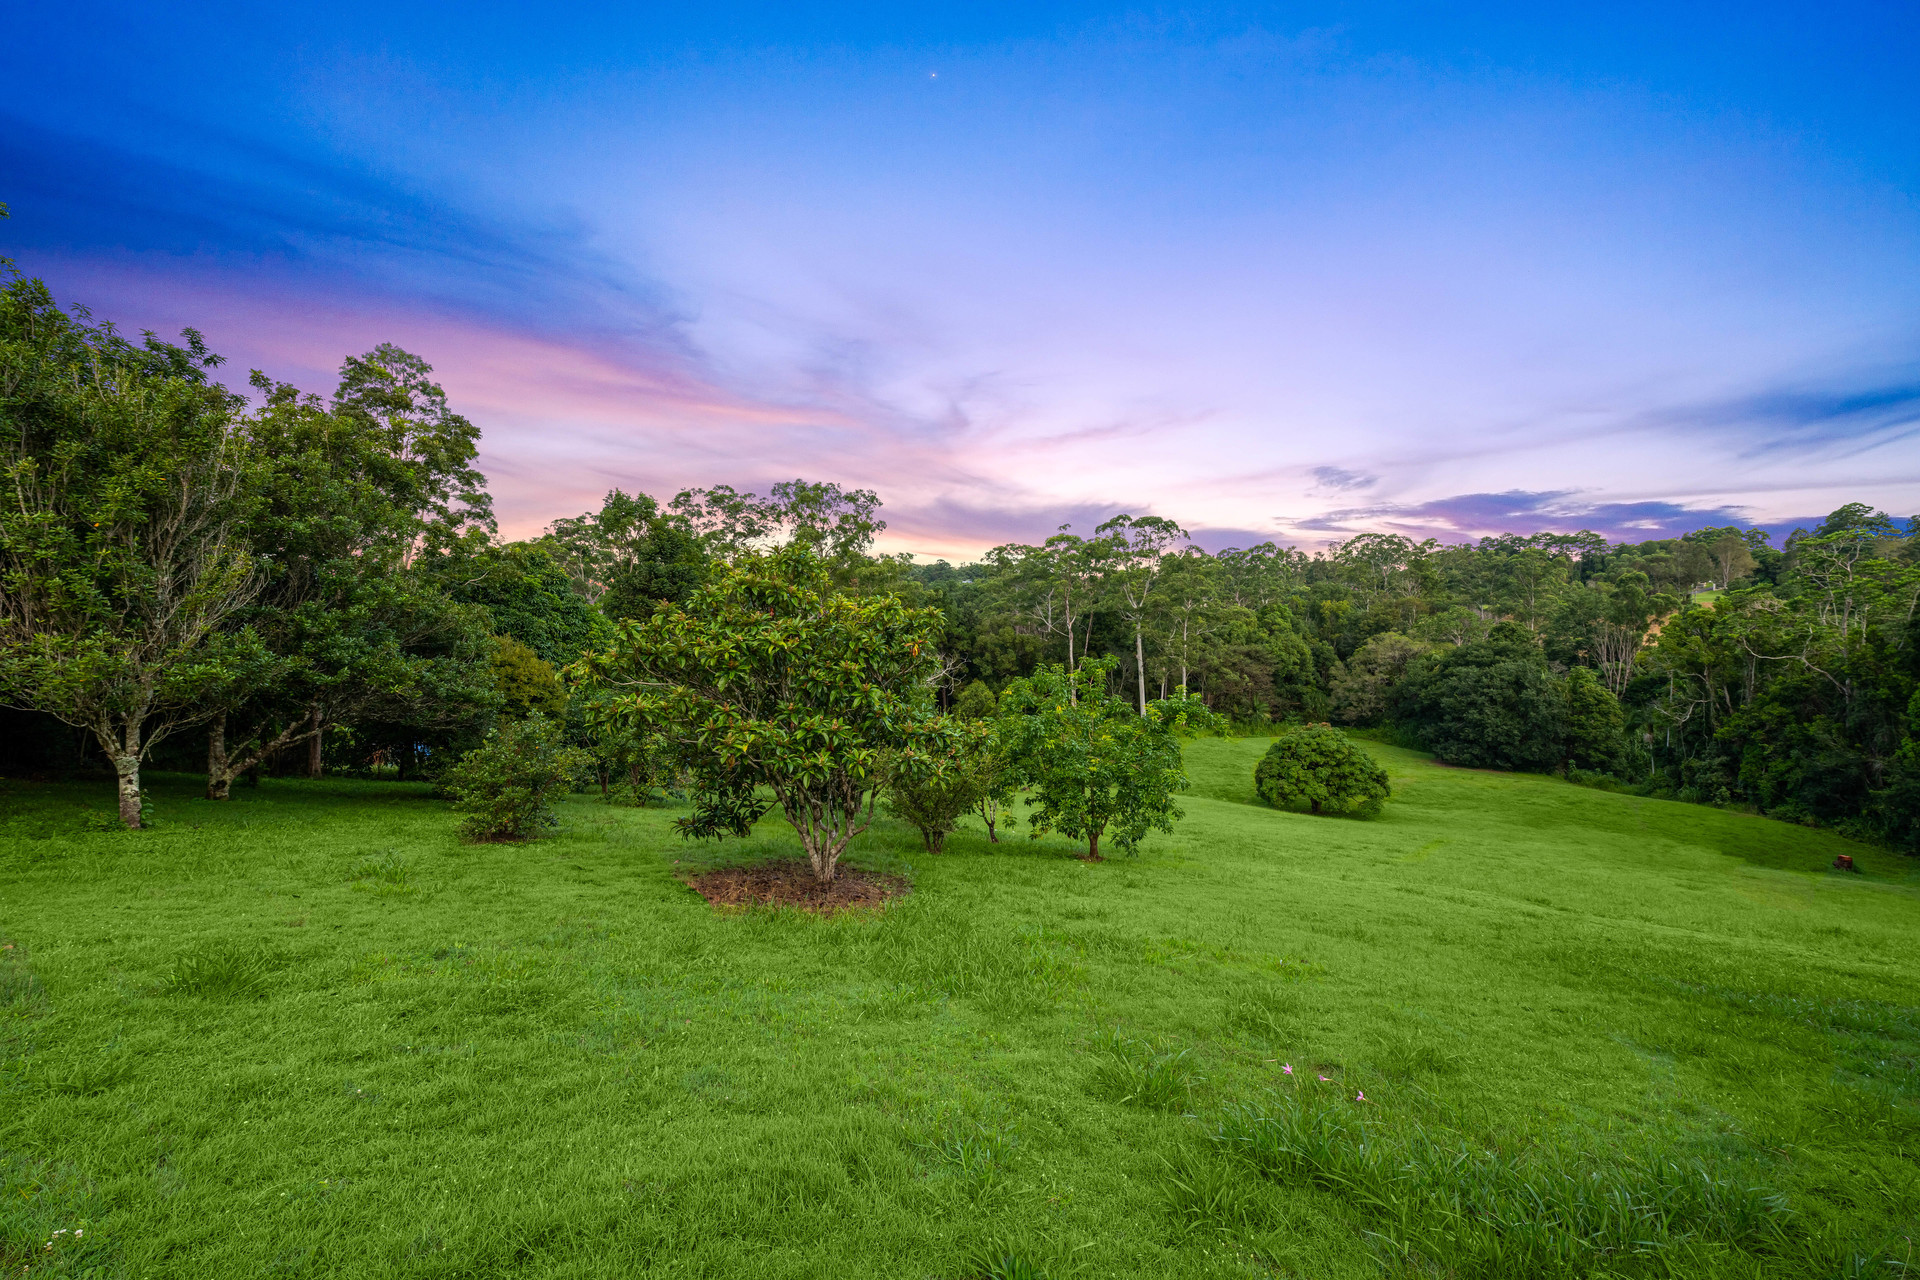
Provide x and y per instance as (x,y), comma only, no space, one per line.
(1476,515)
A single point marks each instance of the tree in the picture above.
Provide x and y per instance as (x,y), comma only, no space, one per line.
(996,773)
(1138,548)
(837,525)
(765,677)
(528,596)
(668,564)
(352,617)
(630,555)
(1728,552)
(527,682)
(1596,729)
(1487,704)
(388,391)
(1360,688)
(949,783)
(1318,768)
(128,486)
(1054,585)
(1096,763)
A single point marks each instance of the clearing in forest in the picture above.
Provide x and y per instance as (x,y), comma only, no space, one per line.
(309,1032)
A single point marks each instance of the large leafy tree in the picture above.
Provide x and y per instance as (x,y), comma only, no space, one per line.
(128,486)
(365,501)
(1488,703)
(629,556)
(766,677)
(1096,763)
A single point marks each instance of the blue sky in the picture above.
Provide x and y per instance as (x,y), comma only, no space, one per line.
(1276,272)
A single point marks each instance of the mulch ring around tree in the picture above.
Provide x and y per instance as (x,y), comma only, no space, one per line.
(792,884)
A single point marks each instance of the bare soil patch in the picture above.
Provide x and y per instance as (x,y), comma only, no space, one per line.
(792,884)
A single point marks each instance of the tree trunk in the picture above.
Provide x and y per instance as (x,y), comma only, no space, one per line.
(990,812)
(126,767)
(313,746)
(219,781)
(1140,667)
(1093,844)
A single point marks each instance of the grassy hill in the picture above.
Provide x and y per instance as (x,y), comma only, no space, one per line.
(309,1033)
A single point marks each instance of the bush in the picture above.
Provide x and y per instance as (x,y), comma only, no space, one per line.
(1317,768)
(945,787)
(506,786)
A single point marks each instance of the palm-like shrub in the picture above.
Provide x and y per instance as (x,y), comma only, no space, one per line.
(1317,768)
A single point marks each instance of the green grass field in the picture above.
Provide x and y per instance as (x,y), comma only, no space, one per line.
(310,1033)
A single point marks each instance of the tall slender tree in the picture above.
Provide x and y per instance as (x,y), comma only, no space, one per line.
(1137,549)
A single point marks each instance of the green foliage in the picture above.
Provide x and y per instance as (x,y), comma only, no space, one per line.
(358,507)
(941,785)
(1317,768)
(976,702)
(767,678)
(527,682)
(127,484)
(506,787)
(1487,704)
(1595,727)
(529,598)
(1095,762)
(1360,686)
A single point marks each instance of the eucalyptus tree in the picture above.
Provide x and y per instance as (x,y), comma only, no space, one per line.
(1136,552)
(1054,587)
(834,524)
(129,484)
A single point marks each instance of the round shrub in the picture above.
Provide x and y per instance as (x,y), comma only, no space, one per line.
(1315,767)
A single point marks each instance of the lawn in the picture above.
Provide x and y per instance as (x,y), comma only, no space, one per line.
(308,1032)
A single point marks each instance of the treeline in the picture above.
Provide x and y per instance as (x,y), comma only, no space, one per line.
(285,582)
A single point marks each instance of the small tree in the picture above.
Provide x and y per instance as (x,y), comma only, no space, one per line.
(1096,764)
(944,788)
(996,772)
(506,786)
(765,678)
(1318,768)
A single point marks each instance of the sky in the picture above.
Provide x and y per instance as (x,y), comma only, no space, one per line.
(1279,273)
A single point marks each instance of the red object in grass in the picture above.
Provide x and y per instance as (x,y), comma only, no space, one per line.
(1844,862)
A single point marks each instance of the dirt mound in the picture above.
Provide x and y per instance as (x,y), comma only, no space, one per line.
(792,884)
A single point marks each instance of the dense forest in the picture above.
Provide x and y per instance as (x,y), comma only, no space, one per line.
(198,578)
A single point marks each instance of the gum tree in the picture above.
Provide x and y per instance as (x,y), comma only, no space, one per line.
(768,678)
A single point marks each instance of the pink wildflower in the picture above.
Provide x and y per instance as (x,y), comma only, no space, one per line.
(1361,1096)
(1326,1078)
(1287,1067)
